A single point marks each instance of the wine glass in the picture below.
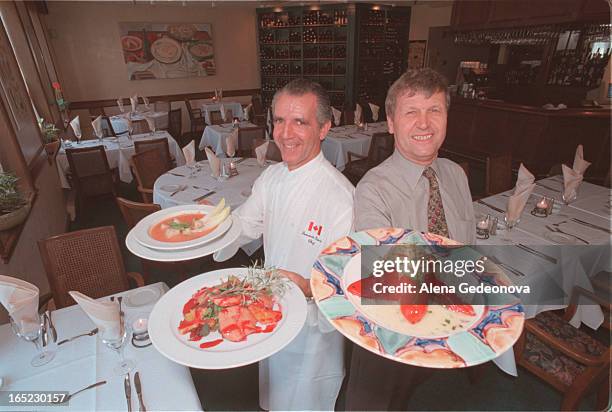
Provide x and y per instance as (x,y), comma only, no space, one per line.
(569,197)
(99,134)
(78,136)
(510,223)
(31,330)
(116,341)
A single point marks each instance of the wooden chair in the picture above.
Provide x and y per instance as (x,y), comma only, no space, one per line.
(175,126)
(134,212)
(215,117)
(259,114)
(273,152)
(246,139)
(567,358)
(147,167)
(196,119)
(498,174)
(160,144)
(88,261)
(90,173)
(381,147)
(348,117)
(107,126)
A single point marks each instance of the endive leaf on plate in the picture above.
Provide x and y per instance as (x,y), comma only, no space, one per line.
(218,218)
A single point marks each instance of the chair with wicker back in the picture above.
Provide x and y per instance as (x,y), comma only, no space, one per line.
(246,139)
(215,117)
(90,173)
(348,117)
(273,152)
(160,144)
(196,119)
(175,125)
(147,167)
(381,147)
(88,261)
(259,114)
(134,212)
(567,358)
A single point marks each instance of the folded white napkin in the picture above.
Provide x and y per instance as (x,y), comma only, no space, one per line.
(245,112)
(375,109)
(223,114)
(76,126)
(189,152)
(150,122)
(20,299)
(105,315)
(232,142)
(220,94)
(358,111)
(571,181)
(522,190)
(337,116)
(146,102)
(134,102)
(580,165)
(260,152)
(120,105)
(97,126)
(213,161)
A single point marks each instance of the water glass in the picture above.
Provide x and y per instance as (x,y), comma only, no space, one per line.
(569,197)
(117,343)
(510,223)
(31,331)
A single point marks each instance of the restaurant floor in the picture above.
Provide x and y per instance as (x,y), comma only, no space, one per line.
(236,389)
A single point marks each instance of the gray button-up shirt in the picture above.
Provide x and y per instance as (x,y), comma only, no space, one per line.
(395,193)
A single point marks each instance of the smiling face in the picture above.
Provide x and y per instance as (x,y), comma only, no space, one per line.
(296,130)
(419,126)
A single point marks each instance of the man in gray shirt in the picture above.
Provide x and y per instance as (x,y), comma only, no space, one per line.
(412,189)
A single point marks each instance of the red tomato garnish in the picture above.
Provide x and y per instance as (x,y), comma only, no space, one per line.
(211,343)
(413,313)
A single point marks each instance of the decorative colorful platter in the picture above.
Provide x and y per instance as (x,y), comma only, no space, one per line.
(494,329)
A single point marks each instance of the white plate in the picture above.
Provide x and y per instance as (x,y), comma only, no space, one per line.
(184,254)
(167,314)
(142,297)
(141,230)
(560,238)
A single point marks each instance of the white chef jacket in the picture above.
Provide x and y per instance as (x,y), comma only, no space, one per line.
(299,213)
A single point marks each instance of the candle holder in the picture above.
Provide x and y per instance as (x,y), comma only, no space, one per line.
(233,170)
(543,207)
(482,227)
(140,333)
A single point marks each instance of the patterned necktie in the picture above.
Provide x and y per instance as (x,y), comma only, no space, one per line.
(436,220)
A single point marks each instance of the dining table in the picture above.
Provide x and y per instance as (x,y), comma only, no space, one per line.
(552,254)
(119,151)
(350,138)
(235,107)
(191,184)
(215,136)
(166,385)
(120,123)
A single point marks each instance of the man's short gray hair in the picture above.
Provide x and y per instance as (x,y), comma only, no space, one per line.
(300,87)
(426,81)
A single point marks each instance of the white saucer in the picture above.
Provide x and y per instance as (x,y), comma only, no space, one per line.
(142,297)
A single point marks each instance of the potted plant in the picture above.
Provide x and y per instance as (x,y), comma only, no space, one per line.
(50,136)
(14,207)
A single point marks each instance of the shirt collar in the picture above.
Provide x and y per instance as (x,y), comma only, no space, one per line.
(307,167)
(411,171)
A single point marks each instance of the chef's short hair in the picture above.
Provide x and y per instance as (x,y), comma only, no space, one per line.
(426,81)
(300,87)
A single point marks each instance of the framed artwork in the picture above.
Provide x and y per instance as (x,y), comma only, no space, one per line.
(167,50)
(416,53)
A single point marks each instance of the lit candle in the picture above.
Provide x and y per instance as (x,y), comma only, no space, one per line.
(140,325)
(482,224)
(542,204)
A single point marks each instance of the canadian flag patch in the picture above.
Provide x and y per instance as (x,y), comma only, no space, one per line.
(313,227)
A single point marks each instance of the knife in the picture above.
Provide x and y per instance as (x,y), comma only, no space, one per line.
(197,199)
(490,206)
(139,392)
(52,326)
(128,391)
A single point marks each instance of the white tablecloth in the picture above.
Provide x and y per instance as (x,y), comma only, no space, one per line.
(165,385)
(118,152)
(120,124)
(343,139)
(235,107)
(215,136)
(576,265)
(235,190)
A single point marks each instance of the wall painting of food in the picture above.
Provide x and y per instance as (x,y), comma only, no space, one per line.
(167,51)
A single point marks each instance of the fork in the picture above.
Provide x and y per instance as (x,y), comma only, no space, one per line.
(90,333)
(556,229)
(180,189)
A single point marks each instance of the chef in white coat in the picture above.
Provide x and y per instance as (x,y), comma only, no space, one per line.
(300,206)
